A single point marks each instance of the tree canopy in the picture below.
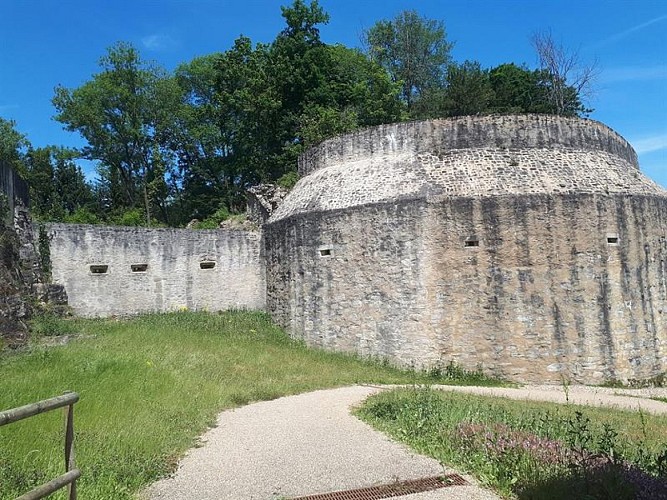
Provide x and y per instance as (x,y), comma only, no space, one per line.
(173,146)
(414,51)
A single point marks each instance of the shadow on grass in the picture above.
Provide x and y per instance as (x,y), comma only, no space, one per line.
(607,481)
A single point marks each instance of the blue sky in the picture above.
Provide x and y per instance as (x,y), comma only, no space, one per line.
(49,42)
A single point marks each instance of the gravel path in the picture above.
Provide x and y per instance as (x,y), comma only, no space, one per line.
(309,443)
(623,399)
(299,445)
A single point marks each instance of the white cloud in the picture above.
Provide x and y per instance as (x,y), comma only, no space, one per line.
(634,73)
(157,42)
(622,34)
(650,144)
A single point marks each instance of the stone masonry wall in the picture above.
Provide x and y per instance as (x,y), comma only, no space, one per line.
(13,191)
(546,291)
(511,132)
(156,269)
(483,171)
(572,286)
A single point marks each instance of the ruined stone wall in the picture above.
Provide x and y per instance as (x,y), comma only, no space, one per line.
(572,286)
(121,271)
(13,191)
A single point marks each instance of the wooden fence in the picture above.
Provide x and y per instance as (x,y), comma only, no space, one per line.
(67,400)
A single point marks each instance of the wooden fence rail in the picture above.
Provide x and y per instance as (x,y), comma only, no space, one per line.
(67,401)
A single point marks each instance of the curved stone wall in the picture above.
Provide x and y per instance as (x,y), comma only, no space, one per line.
(468,132)
(529,274)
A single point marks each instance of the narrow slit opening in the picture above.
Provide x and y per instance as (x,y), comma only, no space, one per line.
(325,252)
(99,269)
(471,243)
(206,265)
(139,268)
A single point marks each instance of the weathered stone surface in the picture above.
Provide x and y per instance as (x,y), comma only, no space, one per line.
(24,286)
(173,269)
(529,246)
(13,192)
(263,200)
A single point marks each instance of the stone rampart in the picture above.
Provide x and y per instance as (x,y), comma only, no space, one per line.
(506,132)
(122,271)
(529,246)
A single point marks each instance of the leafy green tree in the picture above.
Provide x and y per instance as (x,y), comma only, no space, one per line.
(517,89)
(58,187)
(73,190)
(13,145)
(467,91)
(355,93)
(248,112)
(323,90)
(227,127)
(125,114)
(40,178)
(414,50)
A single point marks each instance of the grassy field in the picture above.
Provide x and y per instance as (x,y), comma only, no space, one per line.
(150,385)
(531,450)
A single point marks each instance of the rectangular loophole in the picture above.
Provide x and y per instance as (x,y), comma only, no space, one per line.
(99,269)
(207,265)
(469,243)
(612,240)
(139,268)
(325,252)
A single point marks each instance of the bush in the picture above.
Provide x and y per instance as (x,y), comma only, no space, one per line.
(288,180)
(82,216)
(214,220)
(131,217)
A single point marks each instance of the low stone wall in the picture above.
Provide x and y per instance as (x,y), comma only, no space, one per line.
(121,271)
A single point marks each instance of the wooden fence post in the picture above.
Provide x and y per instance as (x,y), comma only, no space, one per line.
(69,447)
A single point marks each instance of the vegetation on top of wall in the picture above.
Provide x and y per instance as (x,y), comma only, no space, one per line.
(175,146)
(4,208)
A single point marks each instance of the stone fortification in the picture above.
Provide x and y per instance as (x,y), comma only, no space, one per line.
(529,246)
(121,271)
(468,132)
(469,156)
(13,192)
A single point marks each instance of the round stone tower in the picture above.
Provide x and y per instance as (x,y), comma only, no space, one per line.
(529,246)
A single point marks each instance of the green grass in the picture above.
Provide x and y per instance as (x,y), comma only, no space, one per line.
(150,385)
(530,449)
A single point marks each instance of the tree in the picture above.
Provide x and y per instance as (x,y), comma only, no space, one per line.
(227,127)
(125,114)
(566,78)
(414,50)
(13,145)
(466,91)
(58,187)
(516,89)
